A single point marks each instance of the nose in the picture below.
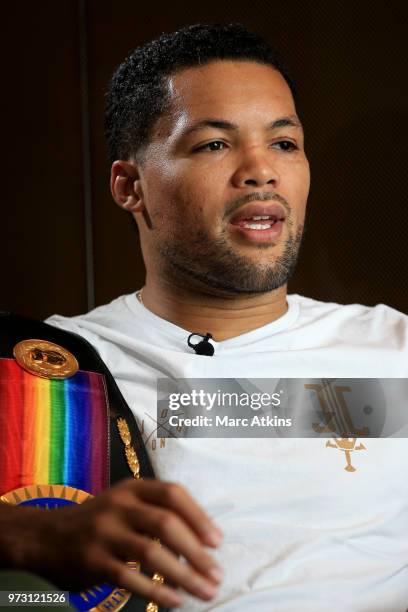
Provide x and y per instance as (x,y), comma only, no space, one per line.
(255,169)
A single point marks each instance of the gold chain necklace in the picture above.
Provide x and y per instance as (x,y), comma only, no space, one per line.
(134,466)
(139,295)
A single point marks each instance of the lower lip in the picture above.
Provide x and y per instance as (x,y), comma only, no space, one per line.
(254,235)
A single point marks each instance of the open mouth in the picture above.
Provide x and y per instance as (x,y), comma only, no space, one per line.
(257,222)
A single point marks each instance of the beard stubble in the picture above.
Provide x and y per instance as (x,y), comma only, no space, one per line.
(211,264)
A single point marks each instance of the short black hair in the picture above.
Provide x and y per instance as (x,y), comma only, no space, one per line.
(138,96)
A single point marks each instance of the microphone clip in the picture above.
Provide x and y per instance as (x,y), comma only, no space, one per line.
(204,347)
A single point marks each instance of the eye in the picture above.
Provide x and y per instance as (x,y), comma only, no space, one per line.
(285,145)
(214,145)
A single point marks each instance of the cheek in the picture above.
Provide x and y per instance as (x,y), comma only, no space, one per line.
(299,189)
(186,199)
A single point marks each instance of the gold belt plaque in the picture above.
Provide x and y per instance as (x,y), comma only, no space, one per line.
(45,359)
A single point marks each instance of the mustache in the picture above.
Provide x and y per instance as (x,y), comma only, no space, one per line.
(252,197)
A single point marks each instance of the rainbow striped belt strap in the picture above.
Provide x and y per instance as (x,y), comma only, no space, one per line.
(53,431)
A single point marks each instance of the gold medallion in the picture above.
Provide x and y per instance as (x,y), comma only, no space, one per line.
(45,359)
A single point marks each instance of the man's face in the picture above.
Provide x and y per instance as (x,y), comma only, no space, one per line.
(224,181)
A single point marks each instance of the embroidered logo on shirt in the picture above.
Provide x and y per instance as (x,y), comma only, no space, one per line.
(337,419)
(151,441)
(347,445)
(335,411)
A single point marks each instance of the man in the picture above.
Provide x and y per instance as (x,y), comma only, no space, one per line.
(208,155)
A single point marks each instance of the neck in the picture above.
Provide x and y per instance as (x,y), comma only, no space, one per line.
(223,317)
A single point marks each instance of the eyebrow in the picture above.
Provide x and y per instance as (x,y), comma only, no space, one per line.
(290,121)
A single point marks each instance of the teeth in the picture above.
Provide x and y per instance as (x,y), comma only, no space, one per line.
(260,217)
(257,226)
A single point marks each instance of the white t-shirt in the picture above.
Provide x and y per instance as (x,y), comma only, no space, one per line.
(300,532)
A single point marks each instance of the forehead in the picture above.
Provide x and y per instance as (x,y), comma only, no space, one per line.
(228,89)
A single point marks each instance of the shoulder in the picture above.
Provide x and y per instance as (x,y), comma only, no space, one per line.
(95,324)
(369,324)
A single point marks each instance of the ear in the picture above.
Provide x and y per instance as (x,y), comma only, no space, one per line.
(125,186)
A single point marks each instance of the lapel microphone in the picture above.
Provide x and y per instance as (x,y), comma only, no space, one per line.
(204,347)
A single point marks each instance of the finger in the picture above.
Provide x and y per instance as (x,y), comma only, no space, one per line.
(178,536)
(136,582)
(176,498)
(159,559)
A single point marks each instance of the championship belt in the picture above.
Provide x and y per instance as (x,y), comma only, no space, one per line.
(66,433)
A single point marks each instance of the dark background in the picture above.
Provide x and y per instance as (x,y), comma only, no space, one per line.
(65,244)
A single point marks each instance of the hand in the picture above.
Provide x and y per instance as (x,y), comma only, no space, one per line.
(79,546)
